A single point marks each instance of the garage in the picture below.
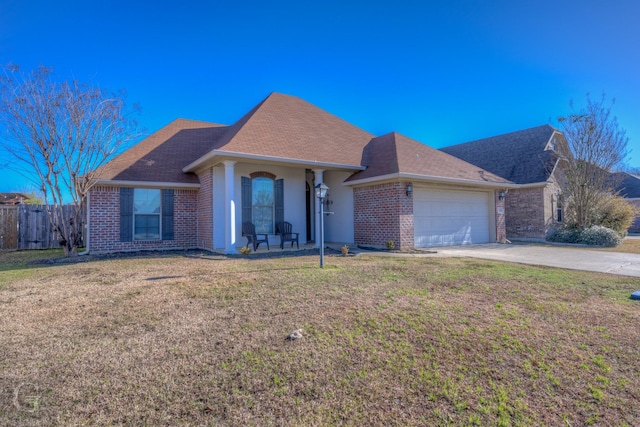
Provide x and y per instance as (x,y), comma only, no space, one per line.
(445,217)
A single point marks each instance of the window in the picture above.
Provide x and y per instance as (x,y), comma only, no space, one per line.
(146,214)
(262,211)
(559,208)
(263,201)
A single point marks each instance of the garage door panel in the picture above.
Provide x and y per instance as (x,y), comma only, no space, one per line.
(444,217)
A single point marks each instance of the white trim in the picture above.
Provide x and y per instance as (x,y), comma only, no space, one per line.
(264,158)
(547,146)
(429,178)
(229,207)
(145,184)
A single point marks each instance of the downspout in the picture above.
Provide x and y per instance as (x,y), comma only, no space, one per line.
(88,229)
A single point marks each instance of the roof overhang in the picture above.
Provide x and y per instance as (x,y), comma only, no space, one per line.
(145,184)
(217,156)
(429,178)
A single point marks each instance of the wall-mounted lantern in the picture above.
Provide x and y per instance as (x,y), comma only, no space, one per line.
(501,194)
(409,190)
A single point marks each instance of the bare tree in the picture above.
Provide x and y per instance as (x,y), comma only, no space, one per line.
(597,145)
(60,133)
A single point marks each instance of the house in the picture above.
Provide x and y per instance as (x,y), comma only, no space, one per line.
(628,186)
(12,198)
(192,184)
(530,159)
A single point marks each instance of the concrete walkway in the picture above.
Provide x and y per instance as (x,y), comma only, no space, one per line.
(552,256)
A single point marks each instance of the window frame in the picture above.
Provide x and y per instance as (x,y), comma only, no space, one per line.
(559,209)
(157,214)
(257,206)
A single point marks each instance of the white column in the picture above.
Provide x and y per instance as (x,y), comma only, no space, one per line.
(229,207)
(318,180)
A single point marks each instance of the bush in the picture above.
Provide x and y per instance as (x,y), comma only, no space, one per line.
(564,235)
(595,236)
(601,236)
(617,214)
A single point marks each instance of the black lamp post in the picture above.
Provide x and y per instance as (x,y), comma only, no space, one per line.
(321,192)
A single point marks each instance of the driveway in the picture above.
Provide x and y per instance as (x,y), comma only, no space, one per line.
(552,256)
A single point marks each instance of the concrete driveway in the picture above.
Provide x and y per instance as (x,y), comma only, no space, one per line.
(552,256)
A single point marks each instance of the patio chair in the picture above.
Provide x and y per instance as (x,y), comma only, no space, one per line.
(249,231)
(286,235)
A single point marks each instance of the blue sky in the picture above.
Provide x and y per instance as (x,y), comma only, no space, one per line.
(441,72)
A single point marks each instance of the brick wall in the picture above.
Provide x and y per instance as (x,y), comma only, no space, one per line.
(501,230)
(383,212)
(531,212)
(205,210)
(104,222)
(525,213)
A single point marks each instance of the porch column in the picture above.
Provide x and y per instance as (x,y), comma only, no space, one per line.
(318,180)
(229,208)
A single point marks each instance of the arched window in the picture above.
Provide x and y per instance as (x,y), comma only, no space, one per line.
(262,205)
(263,201)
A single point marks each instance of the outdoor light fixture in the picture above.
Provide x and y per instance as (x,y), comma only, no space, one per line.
(501,194)
(409,189)
(321,192)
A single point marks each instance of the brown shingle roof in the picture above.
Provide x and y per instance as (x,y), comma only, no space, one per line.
(288,127)
(396,154)
(284,127)
(161,156)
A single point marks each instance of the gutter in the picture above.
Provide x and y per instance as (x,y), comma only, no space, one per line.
(430,178)
(265,158)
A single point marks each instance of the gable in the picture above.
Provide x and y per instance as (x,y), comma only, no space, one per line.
(287,127)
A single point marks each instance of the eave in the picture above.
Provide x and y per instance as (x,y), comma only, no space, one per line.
(216,156)
(430,178)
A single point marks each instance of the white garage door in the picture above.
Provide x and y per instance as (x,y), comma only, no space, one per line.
(450,217)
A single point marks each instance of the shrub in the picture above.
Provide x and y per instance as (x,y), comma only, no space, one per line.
(617,214)
(564,235)
(600,236)
(596,236)
(390,244)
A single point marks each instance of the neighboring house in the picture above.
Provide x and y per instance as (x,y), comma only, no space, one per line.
(528,158)
(629,187)
(13,198)
(192,184)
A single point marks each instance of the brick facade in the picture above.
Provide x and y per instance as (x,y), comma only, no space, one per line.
(205,210)
(104,222)
(525,213)
(383,212)
(532,212)
(501,230)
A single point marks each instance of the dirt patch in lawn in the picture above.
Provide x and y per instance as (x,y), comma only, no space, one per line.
(193,340)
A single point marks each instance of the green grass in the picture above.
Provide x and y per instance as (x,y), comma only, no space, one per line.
(387,341)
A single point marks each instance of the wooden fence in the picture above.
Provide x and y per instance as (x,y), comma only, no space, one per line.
(8,227)
(25,227)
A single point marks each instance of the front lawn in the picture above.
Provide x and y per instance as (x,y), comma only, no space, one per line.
(628,245)
(175,340)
